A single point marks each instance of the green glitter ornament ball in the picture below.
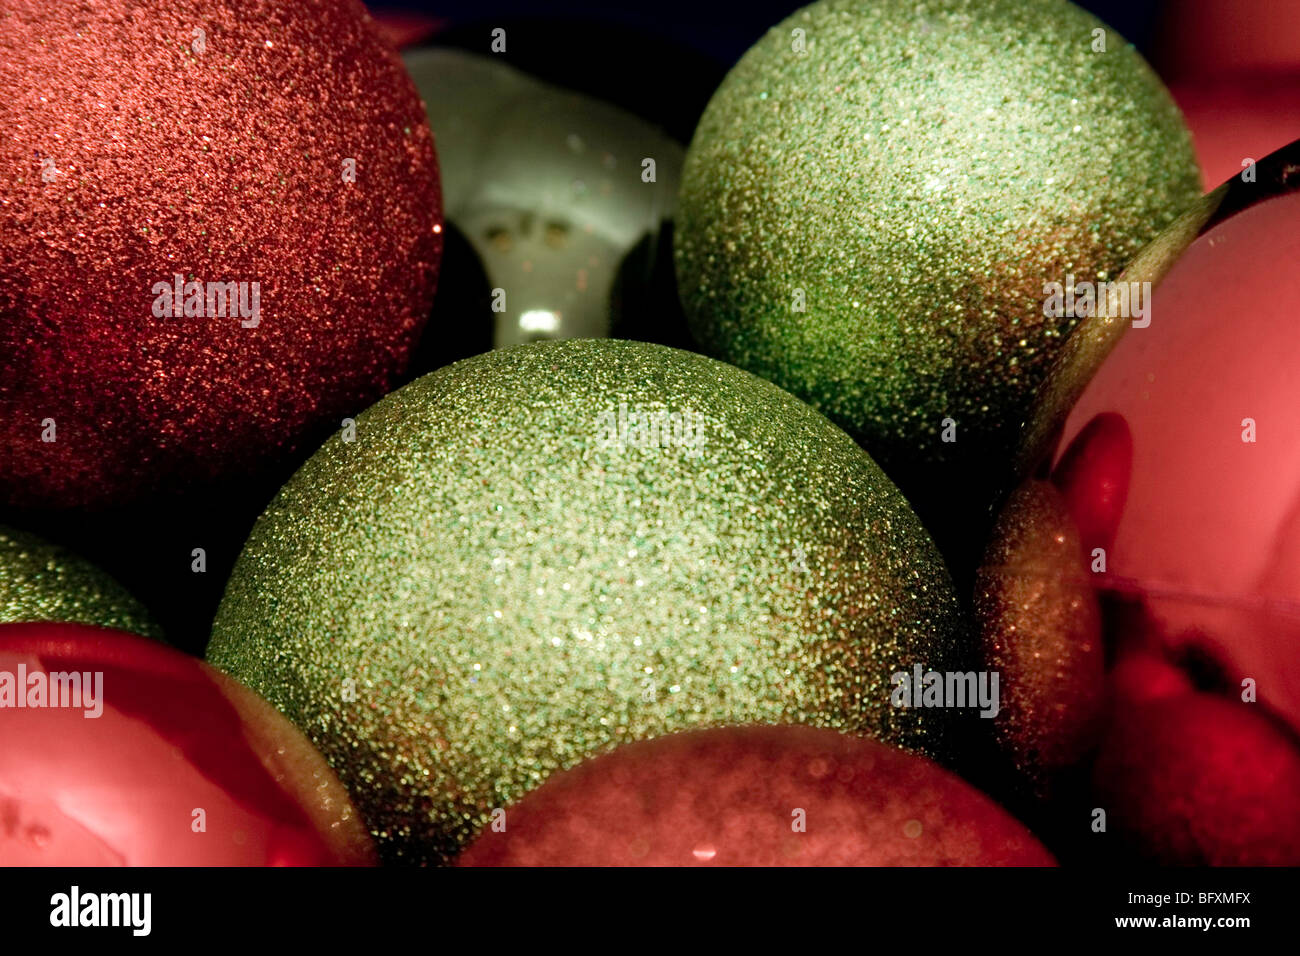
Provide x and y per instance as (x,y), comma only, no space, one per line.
(40,581)
(877,193)
(534,555)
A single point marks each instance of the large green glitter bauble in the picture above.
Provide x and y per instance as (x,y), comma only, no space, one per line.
(516,565)
(877,193)
(40,581)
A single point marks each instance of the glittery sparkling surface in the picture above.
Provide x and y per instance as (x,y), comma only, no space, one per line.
(916,175)
(135,149)
(1041,631)
(1078,360)
(508,587)
(1182,441)
(757,796)
(42,582)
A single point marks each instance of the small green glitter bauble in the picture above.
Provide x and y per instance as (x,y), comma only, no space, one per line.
(877,193)
(40,581)
(516,564)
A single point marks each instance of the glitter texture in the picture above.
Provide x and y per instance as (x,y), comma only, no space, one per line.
(1085,351)
(757,796)
(509,591)
(42,582)
(916,175)
(129,156)
(1041,631)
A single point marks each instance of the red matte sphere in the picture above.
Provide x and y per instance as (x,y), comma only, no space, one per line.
(268,146)
(182,767)
(756,796)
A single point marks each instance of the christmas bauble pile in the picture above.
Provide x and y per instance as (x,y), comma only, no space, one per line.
(599,601)
(1140,591)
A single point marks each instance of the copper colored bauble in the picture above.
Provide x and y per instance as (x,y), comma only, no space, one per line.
(1040,629)
(756,796)
(121,752)
(219,232)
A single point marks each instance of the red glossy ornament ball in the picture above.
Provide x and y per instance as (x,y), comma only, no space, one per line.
(1170,433)
(1180,457)
(220,227)
(152,758)
(755,796)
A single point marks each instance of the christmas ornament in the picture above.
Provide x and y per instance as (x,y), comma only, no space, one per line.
(119,751)
(552,189)
(42,582)
(877,196)
(220,234)
(1041,629)
(1178,502)
(1187,773)
(536,554)
(1192,492)
(1194,779)
(756,796)
(1236,120)
(1040,626)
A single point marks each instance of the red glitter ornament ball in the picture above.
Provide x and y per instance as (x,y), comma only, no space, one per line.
(148,757)
(755,796)
(268,159)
